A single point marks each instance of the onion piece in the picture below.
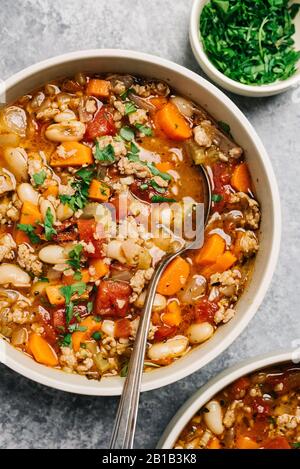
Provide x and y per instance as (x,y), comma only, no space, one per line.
(193,290)
(184,106)
(15,120)
(141,102)
(120,272)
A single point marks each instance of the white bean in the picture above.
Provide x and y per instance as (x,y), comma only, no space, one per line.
(64,116)
(53,254)
(159,303)
(44,206)
(11,273)
(26,193)
(69,131)
(16,161)
(214,417)
(108,327)
(114,251)
(198,333)
(7,181)
(64,212)
(172,348)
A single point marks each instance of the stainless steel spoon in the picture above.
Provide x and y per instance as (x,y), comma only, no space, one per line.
(125,422)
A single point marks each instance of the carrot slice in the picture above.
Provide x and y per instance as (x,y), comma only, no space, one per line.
(98,190)
(223,262)
(55,296)
(30,215)
(213,247)
(173,123)
(174,277)
(165,166)
(214,443)
(76,153)
(101,269)
(173,315)
(99,88)
(90,325)
(159,102)
(42,350)
(245,442)
(241,179)
(51,190)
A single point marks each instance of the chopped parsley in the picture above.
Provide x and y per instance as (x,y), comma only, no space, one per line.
(68,292)
(105,155)
(133,155)
(97,335)
(30,231)
(144,129)
(127,134)
(39,178)
(48,225)
(124,370)
(81,185)
(296,445)
(74,260)
(77,328)
(216,198)
(157,187)
(158,198)
(67,340)
(129,108)
(224,127)
(44,279)
(90,306)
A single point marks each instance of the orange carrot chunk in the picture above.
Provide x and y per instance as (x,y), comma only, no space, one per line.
(90,326)
(42,351)
(241,179)
(173,123)
(30,215)
(213,247)
(174,277)
(75,154)
(245,442)
(159,102)
(173,315)
(55,296)
(99,88)
(98,190)
(165,166)
(223,262)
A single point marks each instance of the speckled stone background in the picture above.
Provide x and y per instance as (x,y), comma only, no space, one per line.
(33,416)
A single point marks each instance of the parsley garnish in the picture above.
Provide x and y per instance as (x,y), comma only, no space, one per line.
(77,328)
(158,198)
(250,42)
(97,335)
(216,198)
(81,185)
(68,292)
(48,225)
(39,178)
(75,257)
(127,133)
(30,231)
(144,129)
(133,156)
(296,445)
(129,108)
(67,340)
(105,155)
(124,370)
(157,187)
(89,306)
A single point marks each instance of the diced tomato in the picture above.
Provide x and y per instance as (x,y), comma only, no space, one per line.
(44,318)
(87,231)
(59,317)
(222,173)
(276,443)
(122,329)
(112,299)
(102,124)
(261,407)
(205,310)
(239,387)
(65,232)
(164,332)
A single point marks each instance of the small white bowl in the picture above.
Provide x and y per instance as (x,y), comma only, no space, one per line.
(227,83)
(222,108)
(214,386)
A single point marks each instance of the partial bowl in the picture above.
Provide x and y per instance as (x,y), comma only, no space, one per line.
(222,108)
(214,386)
(222,80)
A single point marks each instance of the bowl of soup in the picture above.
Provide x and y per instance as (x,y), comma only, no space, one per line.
(94,146)
(254,405)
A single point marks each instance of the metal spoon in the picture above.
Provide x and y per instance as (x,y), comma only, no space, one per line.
(125,422)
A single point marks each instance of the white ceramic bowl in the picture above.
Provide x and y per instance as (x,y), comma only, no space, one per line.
(207,392)
(222,80)
(201,91)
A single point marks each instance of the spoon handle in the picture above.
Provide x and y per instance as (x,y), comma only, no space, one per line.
(125,423)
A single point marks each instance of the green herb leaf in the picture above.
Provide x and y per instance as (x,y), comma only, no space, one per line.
(158,198)
(39,178)
(97,335)
(48,225)
(30,231)
(81,185)
(68,292)
(90,306)
(296,445)
(75,257)
(124,370)
(144,130)
(157,187)
(127,133)
(77,328)
(129,108)
(156,172)
(44,279)
(224,127)
(105,155)
(67,340)
(216,198)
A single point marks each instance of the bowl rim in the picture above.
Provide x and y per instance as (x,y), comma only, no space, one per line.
(215,385)
(51,377)
(211,70)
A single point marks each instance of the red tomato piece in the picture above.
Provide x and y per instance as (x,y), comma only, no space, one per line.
(261,407)
(276,443)
(44,318)
(87,231)
(123,329)
(239,387)
(59,317)
(164,332)
(112,299)
(205,310)
(102,124)
(222,173)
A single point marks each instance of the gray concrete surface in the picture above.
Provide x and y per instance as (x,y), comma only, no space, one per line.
(33,416)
